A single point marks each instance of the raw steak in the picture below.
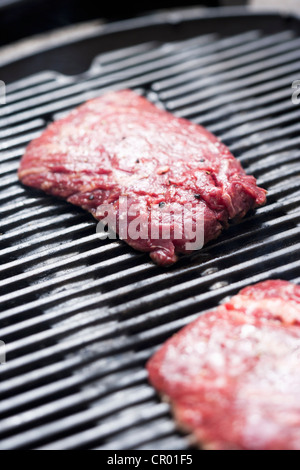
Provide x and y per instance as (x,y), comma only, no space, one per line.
(121,145)
(233,375)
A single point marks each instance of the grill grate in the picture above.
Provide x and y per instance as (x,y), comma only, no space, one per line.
(81,317)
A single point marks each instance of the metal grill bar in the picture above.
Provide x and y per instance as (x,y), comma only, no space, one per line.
(106,388)
(46,238)
(70,384)
(280,221)
(107,429)
(28,82)
(239,97)
(122,78)
(120,74)
(127,325)
(17,130)
(235,73)
(128,272)
(37,432)
(81,317)
(142,337)
(96,413)
(232,86)
(162,428)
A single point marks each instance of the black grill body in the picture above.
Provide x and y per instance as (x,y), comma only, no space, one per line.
(80,317)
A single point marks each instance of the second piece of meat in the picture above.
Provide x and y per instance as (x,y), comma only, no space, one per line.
(232,376)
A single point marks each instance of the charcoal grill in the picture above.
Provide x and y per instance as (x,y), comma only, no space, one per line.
(80,316)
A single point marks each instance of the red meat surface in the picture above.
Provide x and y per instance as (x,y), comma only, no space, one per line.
(233,375)
(120,145)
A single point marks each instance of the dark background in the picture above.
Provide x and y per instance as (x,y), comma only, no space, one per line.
(23,18)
